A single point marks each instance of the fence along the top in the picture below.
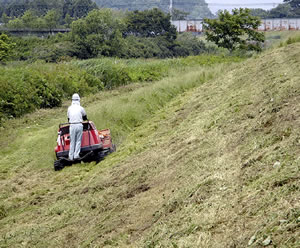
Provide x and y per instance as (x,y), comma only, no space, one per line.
(276,24)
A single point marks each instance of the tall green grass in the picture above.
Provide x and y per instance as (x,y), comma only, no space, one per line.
(115,72)
(292,40)
(123,114)
(26,87)
(281,38)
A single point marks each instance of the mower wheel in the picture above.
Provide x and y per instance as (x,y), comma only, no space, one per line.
(58,165)
(99,156)
(113,148)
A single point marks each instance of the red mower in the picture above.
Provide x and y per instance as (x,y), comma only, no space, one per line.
(95,145)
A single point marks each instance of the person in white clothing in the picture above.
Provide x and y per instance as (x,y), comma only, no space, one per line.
(76,114)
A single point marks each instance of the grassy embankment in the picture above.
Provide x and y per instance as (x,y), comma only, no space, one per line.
(215,166)
(27,150)
(276,38)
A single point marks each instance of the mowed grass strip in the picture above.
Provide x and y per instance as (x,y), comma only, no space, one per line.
(217,167)
(229,177)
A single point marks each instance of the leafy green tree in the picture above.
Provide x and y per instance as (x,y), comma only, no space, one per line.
(187,44)
(281,11)
(93,34)
(41,7)
(259,13)
(17,8)
(5,18)
(68,20)
(28,19)
(200,11)
(284,10)
(52,19)
(67,8)
(235,31)
(81,8)
(75,8)
(117,44)
(150,23)
(295,6)
(6,47)
(16,23)
(179,14)
(40,23)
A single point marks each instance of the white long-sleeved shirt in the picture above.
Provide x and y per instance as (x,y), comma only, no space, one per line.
(76,112)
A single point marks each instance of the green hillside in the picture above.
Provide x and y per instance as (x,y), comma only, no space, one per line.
(207,157)
(79,8)
(195,8)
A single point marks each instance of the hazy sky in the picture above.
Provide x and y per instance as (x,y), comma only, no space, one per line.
(215,5)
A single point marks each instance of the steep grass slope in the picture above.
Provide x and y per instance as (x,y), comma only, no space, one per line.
(231,166)
(218,166)
(26,165)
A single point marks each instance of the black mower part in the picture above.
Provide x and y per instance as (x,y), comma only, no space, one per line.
(58,165)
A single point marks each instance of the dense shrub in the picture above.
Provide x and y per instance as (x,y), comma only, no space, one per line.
(6,47)
(53,52)
(138,47)
(116,72)
(187,44)
(150,23)
(50,49)
(54,49)
(26,88)
(24,47)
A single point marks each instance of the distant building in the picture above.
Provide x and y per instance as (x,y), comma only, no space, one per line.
(275,24)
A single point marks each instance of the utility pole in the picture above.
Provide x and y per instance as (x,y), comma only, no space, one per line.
(171,8)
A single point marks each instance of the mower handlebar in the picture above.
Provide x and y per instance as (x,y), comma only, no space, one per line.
(68,123)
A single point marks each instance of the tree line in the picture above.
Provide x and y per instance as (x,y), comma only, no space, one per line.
(194,9)
(37,13)
(108,33)
(289,9)
(49,14)
(79,8)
